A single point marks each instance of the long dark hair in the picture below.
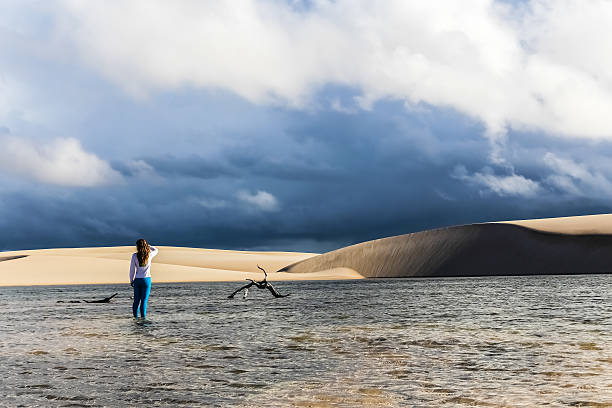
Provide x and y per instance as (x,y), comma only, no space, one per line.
(142,251)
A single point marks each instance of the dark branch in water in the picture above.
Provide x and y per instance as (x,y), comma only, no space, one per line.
(263,284)
(264,271)
(105,300)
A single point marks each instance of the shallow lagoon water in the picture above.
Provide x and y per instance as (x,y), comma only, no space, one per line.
(494,341)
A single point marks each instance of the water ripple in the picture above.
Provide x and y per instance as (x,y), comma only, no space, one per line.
(499,342)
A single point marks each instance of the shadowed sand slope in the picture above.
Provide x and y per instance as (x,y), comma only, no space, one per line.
(470,250)
(10,258)
(111,265)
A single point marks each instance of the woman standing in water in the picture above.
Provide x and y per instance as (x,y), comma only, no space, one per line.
(140,275)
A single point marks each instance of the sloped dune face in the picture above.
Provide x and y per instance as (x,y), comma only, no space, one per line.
(470,250)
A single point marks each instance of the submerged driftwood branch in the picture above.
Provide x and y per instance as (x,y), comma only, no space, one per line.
(105,300)
(263,284)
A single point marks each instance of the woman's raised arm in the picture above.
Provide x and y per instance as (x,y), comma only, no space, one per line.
(154,251)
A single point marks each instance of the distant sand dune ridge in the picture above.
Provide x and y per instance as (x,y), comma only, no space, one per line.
(173,264)
(570,245)
(471,250)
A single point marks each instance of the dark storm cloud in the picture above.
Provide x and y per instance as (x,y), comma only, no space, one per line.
(189,158)
(188,166)
(338,178)
(335,146)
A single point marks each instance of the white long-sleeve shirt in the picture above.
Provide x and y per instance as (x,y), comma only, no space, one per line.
(137,271)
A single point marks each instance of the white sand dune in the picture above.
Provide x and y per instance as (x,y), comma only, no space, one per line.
(173,264)
(565,245)
(570,245)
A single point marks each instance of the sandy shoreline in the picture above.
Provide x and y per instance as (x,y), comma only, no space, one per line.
(81,266)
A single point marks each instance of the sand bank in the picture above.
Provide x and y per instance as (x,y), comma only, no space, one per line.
(568,245)
(173,264)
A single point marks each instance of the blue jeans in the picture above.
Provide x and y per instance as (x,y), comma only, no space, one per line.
(142,288)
